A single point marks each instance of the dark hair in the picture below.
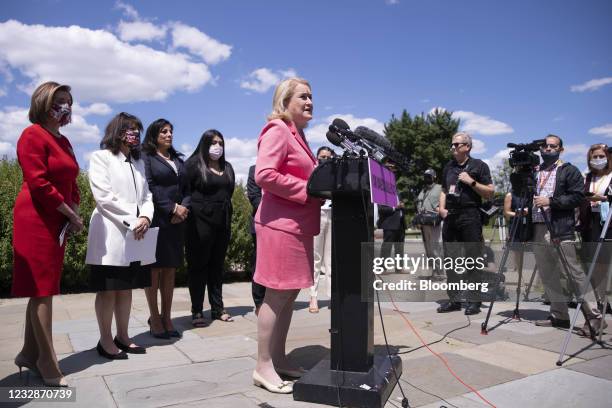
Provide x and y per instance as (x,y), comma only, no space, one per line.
(558,138)
(201,158)
(329,149)
(149,144)
(113,133)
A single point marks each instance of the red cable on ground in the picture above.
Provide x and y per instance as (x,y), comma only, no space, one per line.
(450,370)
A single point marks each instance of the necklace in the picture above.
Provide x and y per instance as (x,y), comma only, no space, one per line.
(165,157)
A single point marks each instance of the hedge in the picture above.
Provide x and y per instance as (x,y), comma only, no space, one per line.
(75,274)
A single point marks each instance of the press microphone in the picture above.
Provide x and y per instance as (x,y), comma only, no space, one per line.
(340,127)
(384,145)
(340,141)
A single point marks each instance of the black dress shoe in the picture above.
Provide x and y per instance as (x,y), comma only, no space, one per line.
(161,335)
(449,307)
(472,309)
(128,349)
(119,356)
(174,333)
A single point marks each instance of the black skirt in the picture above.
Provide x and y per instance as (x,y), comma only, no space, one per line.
(109,277)
(170,243)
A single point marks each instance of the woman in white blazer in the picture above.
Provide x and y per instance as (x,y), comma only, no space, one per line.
(124,206)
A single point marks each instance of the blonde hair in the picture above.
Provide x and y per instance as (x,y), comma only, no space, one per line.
(282,94)
(599,146)
(42,99)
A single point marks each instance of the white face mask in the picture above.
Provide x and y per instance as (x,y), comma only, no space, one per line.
(215,151)
(599,164)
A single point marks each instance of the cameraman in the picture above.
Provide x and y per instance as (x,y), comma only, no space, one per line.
(428,220)
(559,191)
(465,182)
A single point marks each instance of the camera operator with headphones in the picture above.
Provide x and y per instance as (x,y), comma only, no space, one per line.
(465,182)
(559,191)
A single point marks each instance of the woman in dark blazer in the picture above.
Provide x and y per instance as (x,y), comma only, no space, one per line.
(165,172)
(211,181)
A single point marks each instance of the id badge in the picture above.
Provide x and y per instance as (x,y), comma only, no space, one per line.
(452,189)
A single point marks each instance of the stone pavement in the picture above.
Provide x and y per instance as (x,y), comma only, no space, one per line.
(513,366)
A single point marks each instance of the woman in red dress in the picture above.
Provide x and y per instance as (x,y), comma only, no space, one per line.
(48,201)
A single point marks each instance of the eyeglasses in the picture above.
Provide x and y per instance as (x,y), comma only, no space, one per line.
(456,145)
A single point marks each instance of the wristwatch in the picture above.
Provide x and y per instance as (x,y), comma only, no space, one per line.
(473,183)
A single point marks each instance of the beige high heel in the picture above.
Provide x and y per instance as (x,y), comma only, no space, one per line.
(285,387)
(21,361)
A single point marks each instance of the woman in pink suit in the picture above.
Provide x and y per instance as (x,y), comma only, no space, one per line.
(285,223)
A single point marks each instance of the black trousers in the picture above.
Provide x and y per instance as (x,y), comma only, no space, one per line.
(462,237)
(205,249)
(393,239)
(257,291)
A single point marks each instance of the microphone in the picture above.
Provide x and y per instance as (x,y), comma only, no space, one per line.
(340,127)
(340,141)
(383,144)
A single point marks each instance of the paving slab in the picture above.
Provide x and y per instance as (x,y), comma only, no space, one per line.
(217,348)
(12,346)
(427,379)
(598,367)
(228,401)
(184,384)
(515,357)
(557,388)
(90,392)
(90,364)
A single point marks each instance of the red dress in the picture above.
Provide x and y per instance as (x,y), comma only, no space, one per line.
(49,179)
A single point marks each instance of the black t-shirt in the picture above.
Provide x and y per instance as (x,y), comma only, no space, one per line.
(458,194)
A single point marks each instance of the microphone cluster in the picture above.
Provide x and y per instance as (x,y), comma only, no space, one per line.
(364,141)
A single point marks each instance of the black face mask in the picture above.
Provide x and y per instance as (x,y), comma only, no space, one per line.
(428,181)
(549,157)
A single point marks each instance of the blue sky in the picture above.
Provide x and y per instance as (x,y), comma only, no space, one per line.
(513,71)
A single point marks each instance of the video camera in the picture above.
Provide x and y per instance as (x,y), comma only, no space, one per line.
(523,156)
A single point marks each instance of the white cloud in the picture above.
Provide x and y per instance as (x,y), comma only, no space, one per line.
(575,149)
(186,149)
(3,92)
(97,64)
(497,159)
(93,109)
(478,146)
(241,153)
(605,130)
(198,43)
(13,120)
(484,125)
(7,150)
(316,134)
(140,30)
(592,85)
(391,2)
(262,79)
(127,10)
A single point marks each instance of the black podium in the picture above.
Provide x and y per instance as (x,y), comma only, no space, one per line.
(353,376)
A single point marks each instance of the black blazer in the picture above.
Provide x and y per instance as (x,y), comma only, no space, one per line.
(168,188)
(391,219)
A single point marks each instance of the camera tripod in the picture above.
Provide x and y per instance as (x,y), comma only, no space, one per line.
(605,299)
(525,201)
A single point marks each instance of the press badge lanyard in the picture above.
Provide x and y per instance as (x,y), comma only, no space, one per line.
(542,183)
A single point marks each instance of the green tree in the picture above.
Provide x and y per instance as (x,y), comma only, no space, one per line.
(501,178)
(425,140)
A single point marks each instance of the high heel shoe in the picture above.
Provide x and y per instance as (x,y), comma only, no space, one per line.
(21,361)
(119,356)
(163,335)
(285,387)
(128,349)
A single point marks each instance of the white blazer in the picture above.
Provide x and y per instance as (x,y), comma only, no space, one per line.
(117,198)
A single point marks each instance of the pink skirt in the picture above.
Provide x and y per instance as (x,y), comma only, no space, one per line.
(284,260)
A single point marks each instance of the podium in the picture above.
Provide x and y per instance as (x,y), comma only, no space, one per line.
(353,375)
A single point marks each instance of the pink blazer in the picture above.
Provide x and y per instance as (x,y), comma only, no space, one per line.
(284,163)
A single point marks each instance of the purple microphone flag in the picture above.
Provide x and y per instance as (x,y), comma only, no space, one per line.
(382,185)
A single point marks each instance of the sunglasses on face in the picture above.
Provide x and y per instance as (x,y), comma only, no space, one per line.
(457,145)
(551,145)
